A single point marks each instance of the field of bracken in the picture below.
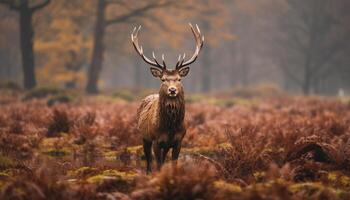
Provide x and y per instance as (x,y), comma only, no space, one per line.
(59,145)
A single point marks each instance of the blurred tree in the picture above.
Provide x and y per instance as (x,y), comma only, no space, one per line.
(9,54)
(244,15)
(213,17)
(207,63)
(64,42)
(311,36)
(102,22)
(26,9)
(159,16)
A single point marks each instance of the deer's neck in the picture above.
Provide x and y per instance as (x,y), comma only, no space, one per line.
(171,112)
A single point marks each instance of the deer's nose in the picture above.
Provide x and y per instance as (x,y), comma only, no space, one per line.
(172,90)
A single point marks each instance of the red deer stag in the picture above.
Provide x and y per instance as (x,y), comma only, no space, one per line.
(161,116)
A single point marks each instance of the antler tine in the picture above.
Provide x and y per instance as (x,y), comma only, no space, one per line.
(178,61)
(199,31)
(199,44)
(164,66)
(139,50)
(137,31)
(183,59)
(132,34)
(155,59)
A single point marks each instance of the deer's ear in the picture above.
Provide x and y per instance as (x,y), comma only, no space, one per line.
(156,72)
(184,71)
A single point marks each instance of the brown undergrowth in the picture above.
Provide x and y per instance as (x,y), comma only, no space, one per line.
(89,148)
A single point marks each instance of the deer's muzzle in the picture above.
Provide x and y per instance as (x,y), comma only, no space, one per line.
(172,91)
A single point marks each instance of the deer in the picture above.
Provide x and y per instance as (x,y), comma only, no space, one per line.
(160,117)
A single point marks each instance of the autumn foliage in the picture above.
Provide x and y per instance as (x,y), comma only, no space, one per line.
(257,148)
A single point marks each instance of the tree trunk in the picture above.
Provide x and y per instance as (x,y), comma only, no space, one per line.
(206,68)
(206,78)
(316,86)
(98,49)
(287,83)
(307,81)
(234,58)
(138,73)
(307,67)
(26,40)
(245,65)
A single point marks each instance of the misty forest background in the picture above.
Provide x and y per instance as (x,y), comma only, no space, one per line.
(297,45)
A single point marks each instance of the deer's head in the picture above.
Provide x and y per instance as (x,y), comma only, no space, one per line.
(171,78)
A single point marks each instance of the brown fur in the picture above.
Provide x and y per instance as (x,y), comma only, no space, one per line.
(161,117)
(161,121)
(158,114)
(171,112)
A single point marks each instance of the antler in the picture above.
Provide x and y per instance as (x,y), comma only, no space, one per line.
(199,44)
(139,50)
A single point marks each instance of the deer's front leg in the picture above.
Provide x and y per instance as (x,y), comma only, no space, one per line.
(147,148)
(165,152)
(162,149)
(176,150)
(158,154)
(177,144)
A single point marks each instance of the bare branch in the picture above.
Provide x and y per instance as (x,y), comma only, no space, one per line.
(322,64)
(219,167)
(40,5)
(285,68)
(137,12)
(159,22)
(120,3)
(10,4)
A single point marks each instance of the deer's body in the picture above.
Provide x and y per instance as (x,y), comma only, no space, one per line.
(161,123)
(147,117)
(161,116)
(161,120)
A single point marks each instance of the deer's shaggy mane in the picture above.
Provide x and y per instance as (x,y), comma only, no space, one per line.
(171,112)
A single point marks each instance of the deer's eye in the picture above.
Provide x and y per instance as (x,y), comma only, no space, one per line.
(179,79)
(163,80)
